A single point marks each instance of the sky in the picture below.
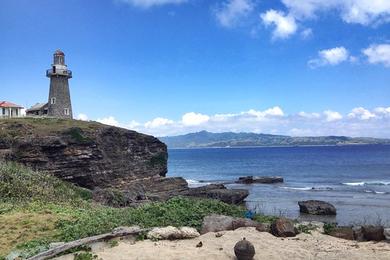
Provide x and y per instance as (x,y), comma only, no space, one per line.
(168,67)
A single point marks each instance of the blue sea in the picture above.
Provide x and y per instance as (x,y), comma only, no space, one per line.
(355,179)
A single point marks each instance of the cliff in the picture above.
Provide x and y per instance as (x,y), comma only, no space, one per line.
(86,153)
(122,167)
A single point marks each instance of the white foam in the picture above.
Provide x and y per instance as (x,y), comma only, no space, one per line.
(195,183)
(354,183)
(366,183)
(297,188)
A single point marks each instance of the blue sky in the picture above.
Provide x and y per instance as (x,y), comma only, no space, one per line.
(167,67)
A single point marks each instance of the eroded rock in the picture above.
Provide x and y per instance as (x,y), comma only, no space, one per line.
(283,227)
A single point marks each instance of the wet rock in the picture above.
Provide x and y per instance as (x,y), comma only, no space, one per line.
(316,207)
(343,232)
(283,227)
(260,179)
(373,233)
(244,250)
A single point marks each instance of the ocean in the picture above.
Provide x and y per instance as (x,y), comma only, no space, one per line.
(355,178)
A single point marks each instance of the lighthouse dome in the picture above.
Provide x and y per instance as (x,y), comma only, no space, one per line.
(59,53)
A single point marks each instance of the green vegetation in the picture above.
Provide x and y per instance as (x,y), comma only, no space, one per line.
(264,218)
(158,160)
(45,209)
(306,228)
(329,227)
(77,134)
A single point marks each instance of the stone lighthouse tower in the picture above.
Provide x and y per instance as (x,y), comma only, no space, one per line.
(59,104)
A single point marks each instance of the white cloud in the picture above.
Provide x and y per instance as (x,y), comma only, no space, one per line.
(363,12)
(231,11)
(109,121)
(359,121)
(330,57)
(82,117)
(361,113)
(152,3)
(158,122)
(285,25)
(190,119)
(332,115)
(378,54)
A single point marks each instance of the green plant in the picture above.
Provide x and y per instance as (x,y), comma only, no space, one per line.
(159,159)
(77,134)
(264,218)
(306,228)
(85,256)
(329,227)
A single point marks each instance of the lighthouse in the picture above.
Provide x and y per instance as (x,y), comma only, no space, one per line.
(59,104)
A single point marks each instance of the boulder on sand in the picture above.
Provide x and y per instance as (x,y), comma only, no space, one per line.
(172,233)
(316,207)
(283,227)
(373,233)
(216,223)
(386,233)
(343,232)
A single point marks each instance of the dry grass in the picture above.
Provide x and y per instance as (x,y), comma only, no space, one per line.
(21,227)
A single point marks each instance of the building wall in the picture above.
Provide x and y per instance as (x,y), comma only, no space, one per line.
(59,90)
(10,112)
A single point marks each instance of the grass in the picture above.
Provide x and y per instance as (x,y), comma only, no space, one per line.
(37,209)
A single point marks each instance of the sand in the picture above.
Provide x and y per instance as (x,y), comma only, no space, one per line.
(304,246)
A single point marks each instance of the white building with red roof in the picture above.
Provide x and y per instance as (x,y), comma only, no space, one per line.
(9,110)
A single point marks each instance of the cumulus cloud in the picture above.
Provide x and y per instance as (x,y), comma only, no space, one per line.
(362,12)
(361,113)
(358,122)
(378,54)
(231,11)
(332,56)
(332,115)
(151,3)
(284,24)
(307,33)
(190,119)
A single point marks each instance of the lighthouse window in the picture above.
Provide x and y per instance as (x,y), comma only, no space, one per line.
(66,111)
(53,101)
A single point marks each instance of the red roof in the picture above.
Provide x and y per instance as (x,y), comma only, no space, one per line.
(8,104)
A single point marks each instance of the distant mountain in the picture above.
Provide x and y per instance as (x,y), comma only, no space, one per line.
(229,139)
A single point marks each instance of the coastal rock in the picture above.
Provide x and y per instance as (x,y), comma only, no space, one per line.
(373,233)
(88,154)
(316,207)
(172,233)
(216,223)
(219,192)
(260,179)
(358,233)
(343,232)
(386,233)
(283,227)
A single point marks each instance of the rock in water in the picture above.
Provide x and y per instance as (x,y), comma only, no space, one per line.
(283,227)
(260,179)
(316,207)
(244,250)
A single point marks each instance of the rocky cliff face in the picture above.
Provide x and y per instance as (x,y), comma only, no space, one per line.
(86,153)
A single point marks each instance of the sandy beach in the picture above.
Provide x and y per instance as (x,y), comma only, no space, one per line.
(303,246)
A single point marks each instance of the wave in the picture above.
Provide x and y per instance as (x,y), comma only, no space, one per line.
(362,183)
(195,183)
(376,192)
(308,188)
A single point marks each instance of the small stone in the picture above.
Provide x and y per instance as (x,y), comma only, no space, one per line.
(244,250)
(218,235)
(200,244)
